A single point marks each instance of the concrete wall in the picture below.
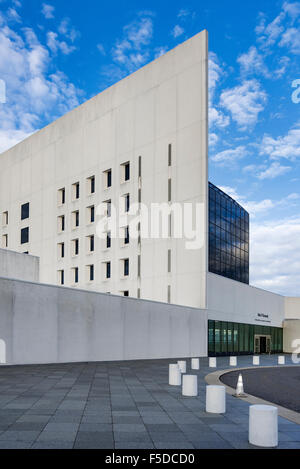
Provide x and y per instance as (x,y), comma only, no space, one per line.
(19,266)
(228,300)
(163,103)
(291,336)
(292,308)
(48,324)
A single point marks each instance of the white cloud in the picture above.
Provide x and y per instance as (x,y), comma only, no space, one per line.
(56,45)
(215,73)
(177,31)
(275,256)
(287,146)
(244,102)
(35,95)
(213,139)
(159,51)
(13,15)
(218,118)
(291,39)
(66,29)
(230,156)
(101,49)
(48,11)
(132,51)
(293,9)
(252,62)
(283,30)
(275,170)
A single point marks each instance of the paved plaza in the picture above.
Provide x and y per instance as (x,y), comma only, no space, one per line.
(120,405)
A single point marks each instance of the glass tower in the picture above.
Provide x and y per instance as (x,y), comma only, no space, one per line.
(228,236)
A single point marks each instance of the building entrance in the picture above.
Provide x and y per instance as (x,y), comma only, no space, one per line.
(262,344)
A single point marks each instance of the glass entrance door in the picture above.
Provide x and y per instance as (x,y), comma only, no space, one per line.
(262,344)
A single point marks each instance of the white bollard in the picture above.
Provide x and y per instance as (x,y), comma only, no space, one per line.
(256,360)
(174,375)
(215,399)
(233,361)
(263,426)
(189,385)
(212,362)
(281,360)
(182,366)
(195,364)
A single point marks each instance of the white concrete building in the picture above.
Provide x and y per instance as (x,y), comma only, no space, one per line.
(142,141)
(143,137)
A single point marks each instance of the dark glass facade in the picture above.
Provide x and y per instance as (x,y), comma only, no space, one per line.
(229,338)
(228,237)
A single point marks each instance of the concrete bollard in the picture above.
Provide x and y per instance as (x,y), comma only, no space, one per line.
(215,399)
(212,362)
(174,375)
(263,426)
(281,360)
(256,360)
(233,361)
(195,364)
(182,366)
(190,385)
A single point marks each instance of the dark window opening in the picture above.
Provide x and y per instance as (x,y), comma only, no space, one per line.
(25,235)
(25,211)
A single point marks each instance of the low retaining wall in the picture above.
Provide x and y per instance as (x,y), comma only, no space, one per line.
(49,324)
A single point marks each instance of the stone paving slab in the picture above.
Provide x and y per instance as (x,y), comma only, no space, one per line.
(121,405)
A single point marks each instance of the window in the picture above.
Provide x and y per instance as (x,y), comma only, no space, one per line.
(61,223)
(5,218)
(170,155)
(91,272)
(140,166)
(75,191)
(61,277)
(169,190)
(108,240)
(126,267)
(127,171)
(75,219)
(61,196)
(169,293)
(91,185)
(139,265)
(169,260)
(91,243)
(108,208)
(4,243)
(126,235)
(61,250)
(228,237)
(139,293)
(25,235)
(75,247)
(108,178)
(91,214)
(75,274)
(108,269)
(140,196)
(127,203)
(25,211)
(126,293)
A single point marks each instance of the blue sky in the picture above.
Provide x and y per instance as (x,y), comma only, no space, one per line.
(56,54)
